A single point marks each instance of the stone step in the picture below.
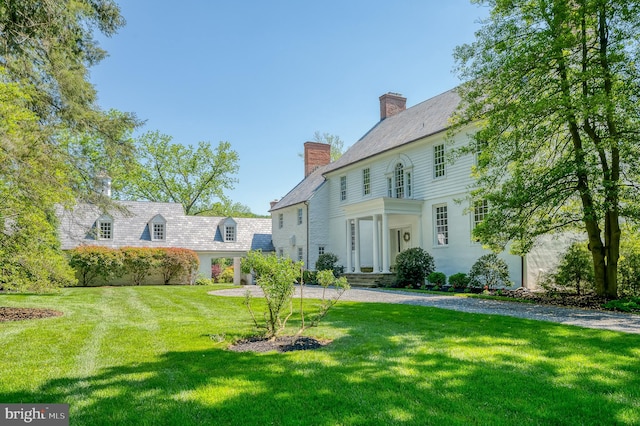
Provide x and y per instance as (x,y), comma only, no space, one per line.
(369,279)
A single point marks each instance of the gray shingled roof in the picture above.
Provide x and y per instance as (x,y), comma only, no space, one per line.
(303,191)
(199,233)
(426,118)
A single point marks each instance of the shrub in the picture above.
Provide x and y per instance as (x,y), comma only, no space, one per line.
(437,278)
(93,262)
(459,280)
(412,266)
(575,269)
(204,281)
(328,262)
(489,271)
(629,274)
(226,276)
(309,277)
(216,270)
(175,261)
(138,261)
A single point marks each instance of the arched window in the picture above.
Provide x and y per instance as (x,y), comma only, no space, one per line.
(158,228)
(399,180)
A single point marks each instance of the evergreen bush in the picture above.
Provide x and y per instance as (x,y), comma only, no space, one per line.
(412,267)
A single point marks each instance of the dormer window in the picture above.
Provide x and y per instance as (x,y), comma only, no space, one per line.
(229,230)
(158,228)
(104,228)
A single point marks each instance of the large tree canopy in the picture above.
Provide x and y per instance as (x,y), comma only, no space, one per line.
(195,177)
(53,136)
(554,87)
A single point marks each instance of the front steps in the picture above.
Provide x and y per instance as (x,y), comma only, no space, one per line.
(367,279)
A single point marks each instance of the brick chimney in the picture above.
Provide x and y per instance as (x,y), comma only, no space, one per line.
(316,154)
(391,104)
(273,203)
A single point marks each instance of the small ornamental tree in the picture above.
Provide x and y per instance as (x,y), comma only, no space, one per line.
(327,279)
(489,271)
(575,269)
(276,276)
(412,266)
(437,278)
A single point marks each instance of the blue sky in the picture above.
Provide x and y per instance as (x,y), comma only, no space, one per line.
(266,75)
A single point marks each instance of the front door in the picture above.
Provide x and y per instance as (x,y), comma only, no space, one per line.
(399,241)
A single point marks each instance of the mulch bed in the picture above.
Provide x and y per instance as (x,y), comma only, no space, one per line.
(279,344)
(21,314)
(588,301)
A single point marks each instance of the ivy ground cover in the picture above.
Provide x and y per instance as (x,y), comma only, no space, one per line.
(158,356)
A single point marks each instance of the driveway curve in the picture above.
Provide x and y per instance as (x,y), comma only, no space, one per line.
(627,323)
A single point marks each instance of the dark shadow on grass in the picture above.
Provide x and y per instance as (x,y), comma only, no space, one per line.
(382,371)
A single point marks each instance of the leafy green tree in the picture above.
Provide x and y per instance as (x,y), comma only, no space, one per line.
(553,87)
(337,144)
(49,123)
(168,172)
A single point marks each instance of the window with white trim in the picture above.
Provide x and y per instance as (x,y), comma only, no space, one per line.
(366,181)
(343,188)
(229,233)
(158,228)
(158,231)
(352,228)
(480,209)
(280,220)
(438,161)
(321,250)
(300,253)
(442,225)
(409,184)
(398,176)
(299,216)
(105,228)
(389,187)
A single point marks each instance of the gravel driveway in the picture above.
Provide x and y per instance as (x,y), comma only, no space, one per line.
(627,323)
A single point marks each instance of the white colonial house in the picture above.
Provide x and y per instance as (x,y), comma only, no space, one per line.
(393,189)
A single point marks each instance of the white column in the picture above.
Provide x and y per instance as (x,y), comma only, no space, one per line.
(237,272)
(376,245)
(357,251)
(348,251)
(385,243)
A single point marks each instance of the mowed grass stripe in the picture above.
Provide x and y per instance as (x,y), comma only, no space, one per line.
(388,364)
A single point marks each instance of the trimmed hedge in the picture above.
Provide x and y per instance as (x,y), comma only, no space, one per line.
(93,262)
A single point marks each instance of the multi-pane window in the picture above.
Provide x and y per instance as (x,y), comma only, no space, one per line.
(389,187)
(399,180)
(299,216)
(229,233)
(300,253)
(480,209)
(438,161)
(280,220)
(408,184)
(320,250)
(343,188)
(158,231)
(366,181)
(353,235)
(442,226)
(105,230)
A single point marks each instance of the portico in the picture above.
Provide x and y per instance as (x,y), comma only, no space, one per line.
(378,229)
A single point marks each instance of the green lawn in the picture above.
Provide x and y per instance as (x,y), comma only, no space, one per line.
(153,355)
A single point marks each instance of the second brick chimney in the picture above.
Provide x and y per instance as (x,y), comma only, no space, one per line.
(316,154)
(391,104)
